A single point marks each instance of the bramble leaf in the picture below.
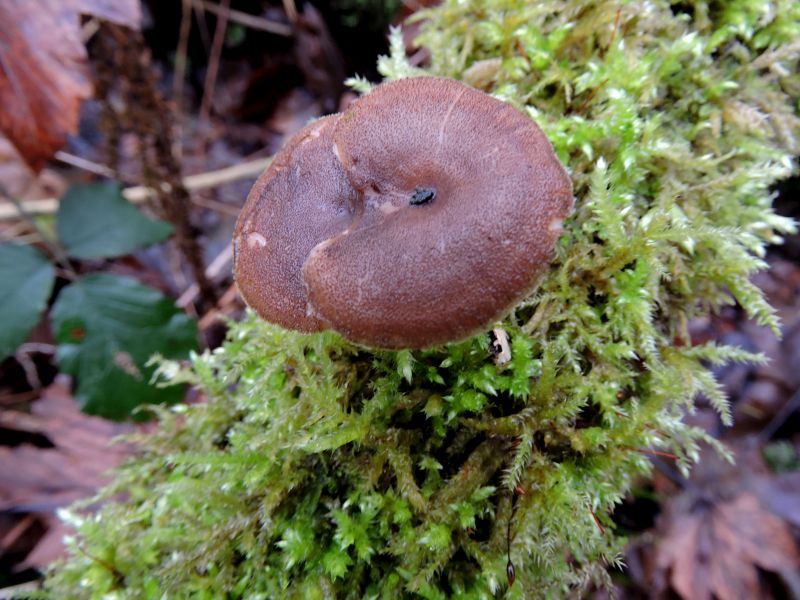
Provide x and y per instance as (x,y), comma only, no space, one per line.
(96,221)
(108,327)
(27,277)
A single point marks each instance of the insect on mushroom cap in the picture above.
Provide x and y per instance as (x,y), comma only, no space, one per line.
(441,212)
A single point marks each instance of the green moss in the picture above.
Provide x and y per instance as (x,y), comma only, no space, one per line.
(318,469)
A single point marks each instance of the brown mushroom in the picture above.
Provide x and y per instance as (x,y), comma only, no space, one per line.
(302,199)
(428,211)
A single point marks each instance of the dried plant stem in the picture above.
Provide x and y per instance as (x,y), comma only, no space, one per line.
(180,71)
(248,20)
(291,10)
(145,112)
(84,164)
(208,319)
(22,355)
(10,538)
(52,245)
(152,119)
(213,269)
(210,82)
(140,193)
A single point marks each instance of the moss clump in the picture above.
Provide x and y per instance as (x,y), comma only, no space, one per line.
(318,469)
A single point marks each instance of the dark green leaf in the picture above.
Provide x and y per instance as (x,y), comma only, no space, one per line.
(95,221)
(27,280)
(107,327)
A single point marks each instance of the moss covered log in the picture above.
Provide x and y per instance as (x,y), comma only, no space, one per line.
(318,469)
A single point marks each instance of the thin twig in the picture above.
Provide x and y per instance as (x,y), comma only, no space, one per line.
(84,164)
(210,83)
(22,356)
(233,173)
(15,591)
(676,478)
(538,315)
(10,538)
(140,193)
(24,240)
(650,452)
(179,76)
(251,21)
(14,230)
(596,520)
(412,5)
(202,24)
(291,10)
(212,270)
(89,29)
(780,418)
(212,315)
(18,398)
(51,244)
(217,206)
(37,347)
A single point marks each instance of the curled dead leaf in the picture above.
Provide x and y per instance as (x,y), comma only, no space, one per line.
(714,550)
(38,480)
(43,69)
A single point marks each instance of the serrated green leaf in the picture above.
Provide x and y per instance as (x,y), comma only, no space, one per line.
(297,544)
(405,365)
(437,537)
(353,532)
(107,327)
(466,514)
(96,221)
(336,561)
(27,278)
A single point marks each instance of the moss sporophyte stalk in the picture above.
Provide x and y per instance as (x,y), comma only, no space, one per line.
(318,468)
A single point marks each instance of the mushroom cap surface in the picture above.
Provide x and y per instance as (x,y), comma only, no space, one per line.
(439,208)
(301,199)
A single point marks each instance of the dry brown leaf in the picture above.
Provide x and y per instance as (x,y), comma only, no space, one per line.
(781,495)
(672,554)
(34,478)
(44,71)
(713,551)
(40,480)
(49,547)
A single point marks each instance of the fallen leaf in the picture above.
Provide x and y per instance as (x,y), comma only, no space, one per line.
(687,579)
(40,480)
(781,494)
(20,182)
(49,547)
(713,552)
(44,72)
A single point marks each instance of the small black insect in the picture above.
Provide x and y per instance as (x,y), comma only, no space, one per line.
(422,195)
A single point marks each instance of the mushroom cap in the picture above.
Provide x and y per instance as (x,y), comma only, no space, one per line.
(301,199)
(450,203)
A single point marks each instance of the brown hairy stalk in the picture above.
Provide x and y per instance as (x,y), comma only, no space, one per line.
(126,85)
